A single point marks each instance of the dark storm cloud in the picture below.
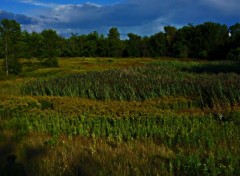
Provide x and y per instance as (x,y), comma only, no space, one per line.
(141,13)
(22,19)
(140,16)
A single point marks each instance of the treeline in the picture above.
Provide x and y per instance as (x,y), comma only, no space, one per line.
(205,41)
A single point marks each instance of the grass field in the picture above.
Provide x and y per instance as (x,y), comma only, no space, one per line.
(105,116)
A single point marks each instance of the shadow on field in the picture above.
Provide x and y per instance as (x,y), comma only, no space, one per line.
(9,164)
(215,68)
(85,165)
(15,160)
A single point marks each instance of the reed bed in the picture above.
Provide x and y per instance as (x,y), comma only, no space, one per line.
(143,83)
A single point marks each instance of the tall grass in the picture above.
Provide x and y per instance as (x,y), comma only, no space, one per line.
(197,145)
(142,83)
(192,131)
(163,135)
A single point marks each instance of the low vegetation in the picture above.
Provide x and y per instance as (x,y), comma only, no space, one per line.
(107,116)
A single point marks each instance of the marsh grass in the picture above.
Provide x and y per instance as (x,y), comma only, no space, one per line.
(173,118)
(162,79)
(131,145)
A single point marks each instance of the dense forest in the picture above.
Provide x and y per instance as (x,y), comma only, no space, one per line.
(210,41)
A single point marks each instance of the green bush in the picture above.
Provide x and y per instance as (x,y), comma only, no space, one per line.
(50,62)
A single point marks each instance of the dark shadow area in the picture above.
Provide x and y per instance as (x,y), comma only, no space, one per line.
(13,168)
(12,164)
(215,68)
(85,166)
(9,165)
(33,159)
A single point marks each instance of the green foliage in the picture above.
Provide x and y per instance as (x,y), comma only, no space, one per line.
(50,44)
(200,144)
(134,46)
(142,83)
(157,45)
(18,104)
(50,62)
(10,38)
(205,41)
(114,43)
(166,134)
(172,130)
(234,54)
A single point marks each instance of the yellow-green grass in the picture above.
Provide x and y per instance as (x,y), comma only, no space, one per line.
(32,69)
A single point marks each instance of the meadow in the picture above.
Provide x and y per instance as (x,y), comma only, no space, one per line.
(136,116)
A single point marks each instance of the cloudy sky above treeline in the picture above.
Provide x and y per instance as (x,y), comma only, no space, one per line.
(143,17)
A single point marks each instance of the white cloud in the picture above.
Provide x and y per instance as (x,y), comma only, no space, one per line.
(38,3)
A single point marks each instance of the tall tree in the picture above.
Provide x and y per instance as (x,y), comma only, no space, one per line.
(234,43)
(134,45)
(212,38)
(158,45)
(10,37)
(34,44)
(50,48)
(91,44)
(115,43)
(170,32)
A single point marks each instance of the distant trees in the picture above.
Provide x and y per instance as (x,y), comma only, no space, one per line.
(205,41)
(234,53)
(10,38)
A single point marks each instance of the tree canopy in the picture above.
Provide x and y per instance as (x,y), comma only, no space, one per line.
(10,37)
(204,41)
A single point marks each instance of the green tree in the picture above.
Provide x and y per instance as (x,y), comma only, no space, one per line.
(115,45)
(10,38)
(212,40)
(91,44)
(183,42)
(50,47)
(34,45)
(102,46)
(134,45)
(234,42)
(170,32)
(204,41)
(158,45)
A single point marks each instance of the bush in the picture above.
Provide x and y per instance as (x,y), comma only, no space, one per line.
(234,54)
(50,62)
(14,66)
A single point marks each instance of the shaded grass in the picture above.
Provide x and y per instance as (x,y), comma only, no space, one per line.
(165,145)
(216,68)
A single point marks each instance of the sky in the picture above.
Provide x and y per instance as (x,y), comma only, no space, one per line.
(142,17)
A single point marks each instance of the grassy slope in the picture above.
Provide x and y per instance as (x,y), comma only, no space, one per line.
(64,154)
